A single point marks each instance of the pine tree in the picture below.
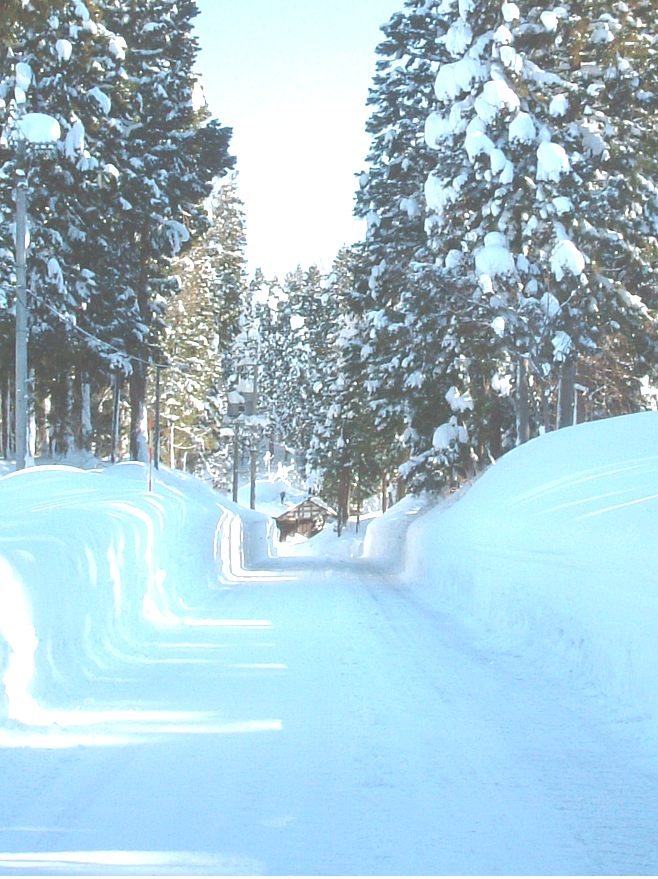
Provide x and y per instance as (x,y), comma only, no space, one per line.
(611,113)
(18,15)
(202,321)
(391,200)
(59,62)
(522,245)
(139,157)
(347,454)
(167,160)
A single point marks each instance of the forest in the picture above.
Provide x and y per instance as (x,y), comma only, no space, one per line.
(505,287)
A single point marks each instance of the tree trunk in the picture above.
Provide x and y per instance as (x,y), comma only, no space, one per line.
(384,492)
(344,489)
(62,435)
(6,415)
(522,403)
(86,428)
(565,398)
(31,416)
(116,417)
(138,377)
(254,467)
(496,429)
(43,408)
(139,450)
(236,461)
(359,501)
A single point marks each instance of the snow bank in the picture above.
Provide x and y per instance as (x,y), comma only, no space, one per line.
(327,545)
(268,496)
(91,561)
(385,539)
(551,551)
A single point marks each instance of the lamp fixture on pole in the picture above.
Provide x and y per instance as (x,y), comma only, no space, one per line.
(42,130)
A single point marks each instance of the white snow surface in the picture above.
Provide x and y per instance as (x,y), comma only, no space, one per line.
(549,552)
(24,76)
(268,496)
(39,128)
(552,161)
(469,689)
(64,49)
(566,259)
(522,128)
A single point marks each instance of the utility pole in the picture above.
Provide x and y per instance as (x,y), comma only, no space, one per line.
(21,325)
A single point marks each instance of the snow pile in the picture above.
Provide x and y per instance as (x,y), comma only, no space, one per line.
(457,77)
(550,551)
(91,561)
(439,193)
(328,545)
(385,539)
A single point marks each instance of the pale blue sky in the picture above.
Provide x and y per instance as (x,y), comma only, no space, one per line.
(291,78)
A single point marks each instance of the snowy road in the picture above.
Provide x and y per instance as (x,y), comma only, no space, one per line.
(323,721)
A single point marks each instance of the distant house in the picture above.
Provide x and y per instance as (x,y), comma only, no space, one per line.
(307,518)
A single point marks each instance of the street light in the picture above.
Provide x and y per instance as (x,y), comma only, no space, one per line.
(35,129)
(22,390)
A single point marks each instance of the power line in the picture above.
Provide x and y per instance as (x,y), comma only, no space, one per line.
(71,324)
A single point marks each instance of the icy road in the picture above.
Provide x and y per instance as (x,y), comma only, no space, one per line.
(319,719)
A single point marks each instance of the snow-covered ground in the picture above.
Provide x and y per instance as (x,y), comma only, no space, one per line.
(471,689)
(273,496)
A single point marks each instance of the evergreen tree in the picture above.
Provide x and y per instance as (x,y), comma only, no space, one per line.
(57,67)
(202,321)
(523,169)
(347,453)
(390,198)
(137,159)
(18,15)
(167,160)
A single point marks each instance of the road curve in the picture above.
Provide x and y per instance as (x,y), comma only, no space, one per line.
(321,720)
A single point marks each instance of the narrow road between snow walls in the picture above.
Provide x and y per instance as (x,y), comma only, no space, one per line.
(321,722)
(173,706)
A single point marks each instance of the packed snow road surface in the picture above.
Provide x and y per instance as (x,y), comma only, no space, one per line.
(314,720)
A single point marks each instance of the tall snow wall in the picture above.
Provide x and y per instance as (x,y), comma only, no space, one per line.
(91,561)
(552,551)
